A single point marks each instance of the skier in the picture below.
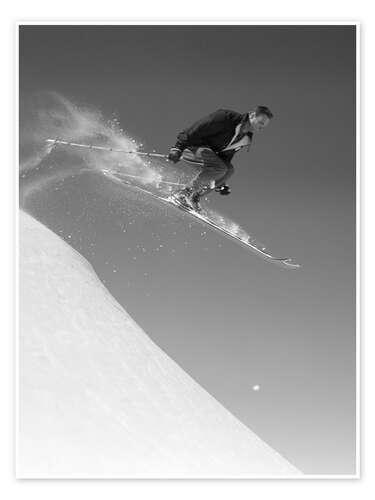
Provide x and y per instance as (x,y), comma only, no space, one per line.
(211,143)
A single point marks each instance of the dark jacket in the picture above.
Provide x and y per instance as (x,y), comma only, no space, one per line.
(215,131)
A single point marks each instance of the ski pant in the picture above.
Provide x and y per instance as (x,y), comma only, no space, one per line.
(214,170)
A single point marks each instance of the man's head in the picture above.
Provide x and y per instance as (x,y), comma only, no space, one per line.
(259,118)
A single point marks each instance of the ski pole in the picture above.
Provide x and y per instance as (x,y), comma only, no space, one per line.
(103,148)
(118,176)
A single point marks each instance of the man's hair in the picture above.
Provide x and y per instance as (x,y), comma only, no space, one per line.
(263,110)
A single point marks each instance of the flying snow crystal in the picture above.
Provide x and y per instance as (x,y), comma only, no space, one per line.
(49,114)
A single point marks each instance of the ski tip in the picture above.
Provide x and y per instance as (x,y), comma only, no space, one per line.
(288,262)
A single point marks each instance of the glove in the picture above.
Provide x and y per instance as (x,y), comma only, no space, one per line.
(174,155)
(224,190)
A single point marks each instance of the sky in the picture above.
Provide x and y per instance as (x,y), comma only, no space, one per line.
(228,318)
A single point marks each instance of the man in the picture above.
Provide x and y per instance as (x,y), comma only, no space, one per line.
(211,143)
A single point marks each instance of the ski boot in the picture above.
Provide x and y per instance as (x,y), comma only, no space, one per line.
(189,199)
(223,189)
(183,197)
(197,194)
(195,201)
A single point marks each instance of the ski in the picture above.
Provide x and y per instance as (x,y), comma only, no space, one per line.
(247,242)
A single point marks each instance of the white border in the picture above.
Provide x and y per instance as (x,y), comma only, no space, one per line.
(17,24)
(16,240)
(190,23)
(358,254)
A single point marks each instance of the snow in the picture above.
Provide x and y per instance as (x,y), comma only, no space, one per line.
(98,398)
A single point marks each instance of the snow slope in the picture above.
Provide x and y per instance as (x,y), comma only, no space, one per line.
(97,398)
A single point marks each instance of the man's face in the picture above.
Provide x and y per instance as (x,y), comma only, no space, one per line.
(258,122)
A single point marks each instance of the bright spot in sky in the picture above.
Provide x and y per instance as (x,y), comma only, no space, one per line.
(256,387)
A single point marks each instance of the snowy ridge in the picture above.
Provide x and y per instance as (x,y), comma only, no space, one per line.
(98,398)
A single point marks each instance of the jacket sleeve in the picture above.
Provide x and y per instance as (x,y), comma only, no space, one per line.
(212,124)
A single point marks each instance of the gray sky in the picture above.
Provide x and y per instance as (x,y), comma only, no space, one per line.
(228,318)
